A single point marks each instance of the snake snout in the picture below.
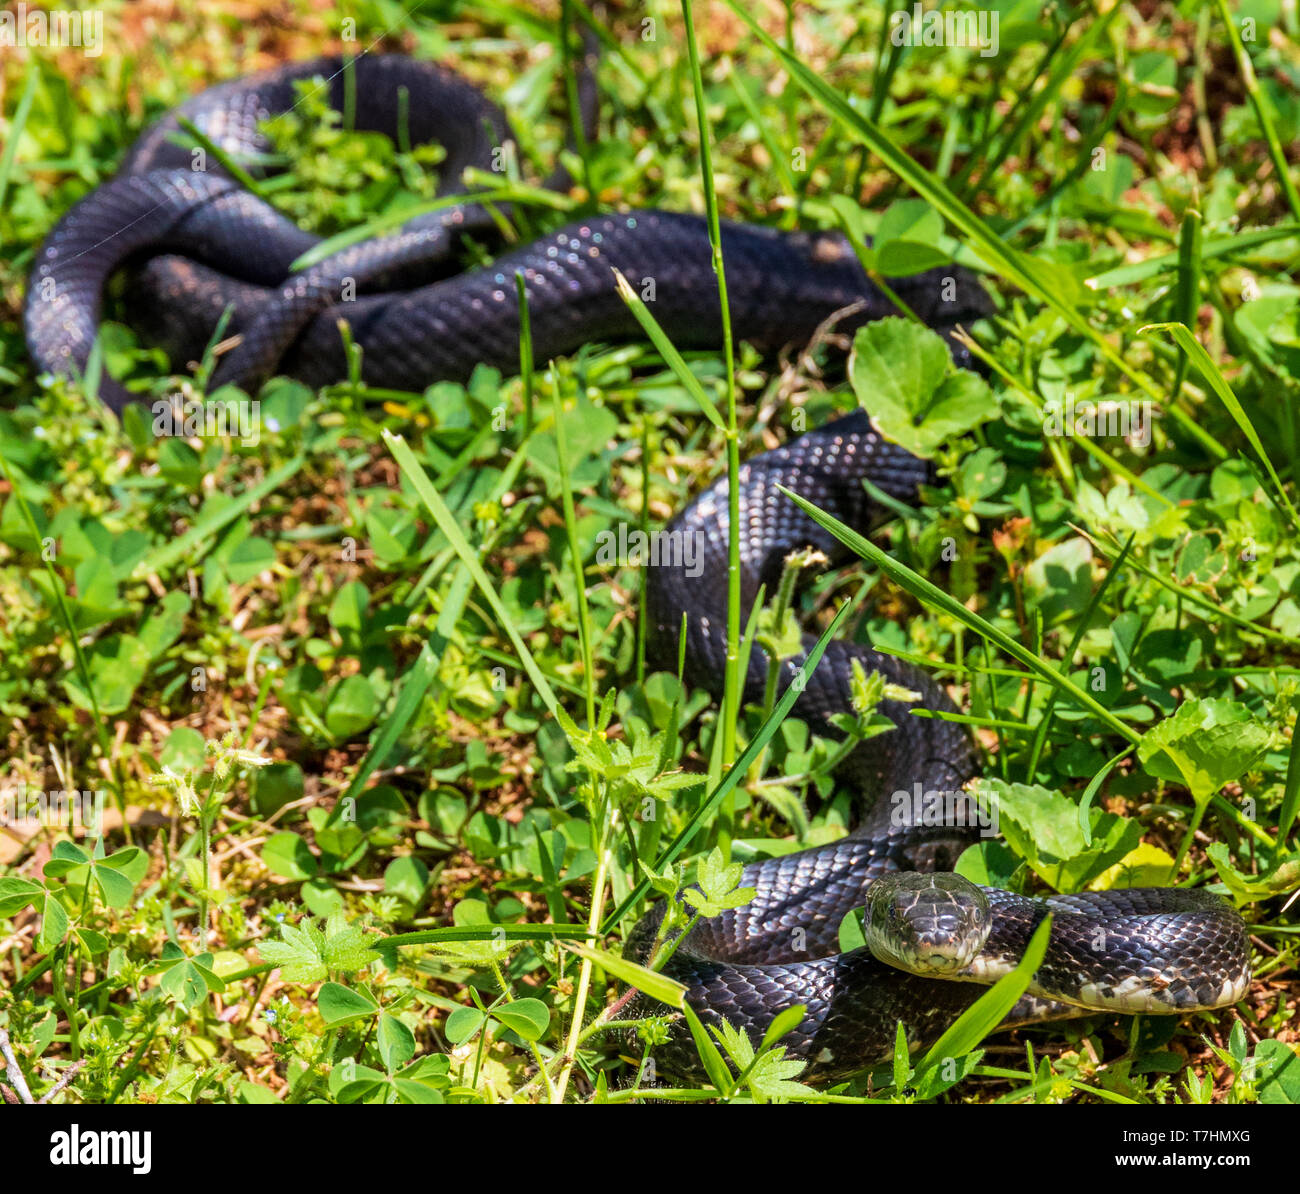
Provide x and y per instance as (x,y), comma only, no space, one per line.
(928,924)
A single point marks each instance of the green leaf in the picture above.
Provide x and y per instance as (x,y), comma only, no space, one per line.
(529,1018)
(288,855)
(1278,1067)
(338,1004)
(185,750)
(785,1021)
(416,1092)
(902,1058)
(648,982)
(1042,827)
(718,879)
(1247,889)
(16,894)
(462,1024)
(907,237)
(710,1058)
(189,981)
(116,666)
(770,1076)
(347,612)
(347,949)
(276,785)
(406,877)
(353,706)
(396,1042)
(1204,744)
(901,375)
(298,955)
(165,625)
(114,886)
(54,925)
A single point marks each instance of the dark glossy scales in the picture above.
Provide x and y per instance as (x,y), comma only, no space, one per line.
(201,244)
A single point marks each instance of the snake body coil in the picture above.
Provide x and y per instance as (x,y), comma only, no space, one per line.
(1142,949)
(200,243)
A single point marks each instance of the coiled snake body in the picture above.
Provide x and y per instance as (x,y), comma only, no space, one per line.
(201,243)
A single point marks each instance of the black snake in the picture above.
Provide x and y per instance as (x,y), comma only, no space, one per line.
(201,243)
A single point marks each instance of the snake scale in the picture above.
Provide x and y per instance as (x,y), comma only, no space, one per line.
(199,243)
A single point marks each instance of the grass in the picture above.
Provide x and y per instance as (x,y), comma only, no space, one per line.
(387,767)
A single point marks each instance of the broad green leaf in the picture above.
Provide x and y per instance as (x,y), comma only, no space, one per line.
(901,375)
(338,1004)
(288,855)
(396,1042)
(16,894)
(529,1018)
(785,1021)
(1277,1065)
(1247,889)
(1204,744)
(1042,827)
(298,955)
(54,924)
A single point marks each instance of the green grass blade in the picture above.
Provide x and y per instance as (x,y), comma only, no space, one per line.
(1212,248)
(493,932)
(936,598)
(1291,793)
(659,338)
(16,127)
(648,982)
(575,559)
(451,528)
(1219,384)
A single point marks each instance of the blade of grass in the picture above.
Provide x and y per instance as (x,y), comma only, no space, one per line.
(648,982)
(1291,793)
(937,599)
(447,523)
(228,163)
(1219,384)
(731,692)
(16,126)
(575,560)
(1213,248)
(1188,297)
(525,351)
(494,932)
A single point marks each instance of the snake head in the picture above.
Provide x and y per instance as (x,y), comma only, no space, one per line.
(933,925)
